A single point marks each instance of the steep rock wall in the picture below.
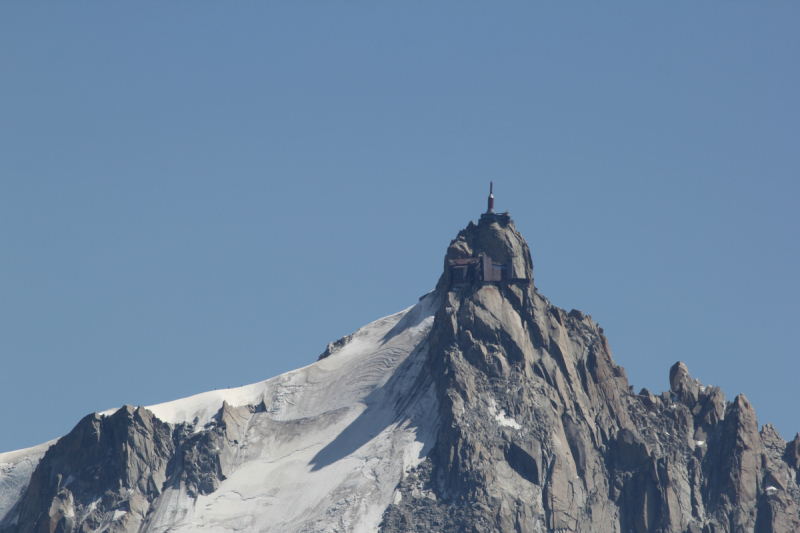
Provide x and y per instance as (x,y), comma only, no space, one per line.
(540,431)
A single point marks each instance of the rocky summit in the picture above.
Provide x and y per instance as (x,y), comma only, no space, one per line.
(482,408)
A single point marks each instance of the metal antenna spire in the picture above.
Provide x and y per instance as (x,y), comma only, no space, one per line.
(491,198)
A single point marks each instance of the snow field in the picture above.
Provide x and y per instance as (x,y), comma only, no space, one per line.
(328,453)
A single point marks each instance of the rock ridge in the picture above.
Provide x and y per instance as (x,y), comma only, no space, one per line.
(541,432)
(107,473)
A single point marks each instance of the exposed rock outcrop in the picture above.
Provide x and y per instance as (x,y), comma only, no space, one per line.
(335,346)
(540,431)
(106,474)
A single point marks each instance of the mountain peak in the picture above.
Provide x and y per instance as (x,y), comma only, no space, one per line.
(490,251)
(482,408)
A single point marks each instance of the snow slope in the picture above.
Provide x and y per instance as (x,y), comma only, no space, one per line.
(328,445)
(15,473)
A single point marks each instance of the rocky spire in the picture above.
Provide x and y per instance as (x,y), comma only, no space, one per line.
(494,236)
(539,430)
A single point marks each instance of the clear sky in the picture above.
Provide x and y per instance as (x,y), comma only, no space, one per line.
(201,195)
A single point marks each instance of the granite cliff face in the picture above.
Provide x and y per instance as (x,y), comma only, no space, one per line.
(108,471)
(540,432)
(484,408)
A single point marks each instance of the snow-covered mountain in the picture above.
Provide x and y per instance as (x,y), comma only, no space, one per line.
(319,449)
(481,408)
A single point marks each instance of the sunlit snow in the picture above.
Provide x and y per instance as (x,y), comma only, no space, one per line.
(336,438)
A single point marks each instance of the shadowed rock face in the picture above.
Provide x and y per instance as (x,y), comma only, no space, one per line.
(104,465)
(540,432)
(106,474)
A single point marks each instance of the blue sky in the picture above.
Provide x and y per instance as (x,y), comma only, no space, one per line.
(203,195)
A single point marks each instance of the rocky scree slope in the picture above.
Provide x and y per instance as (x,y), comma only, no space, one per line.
(483,408)
(540,432)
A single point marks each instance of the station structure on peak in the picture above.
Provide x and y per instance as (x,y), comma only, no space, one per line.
(483,269)
(490,216)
